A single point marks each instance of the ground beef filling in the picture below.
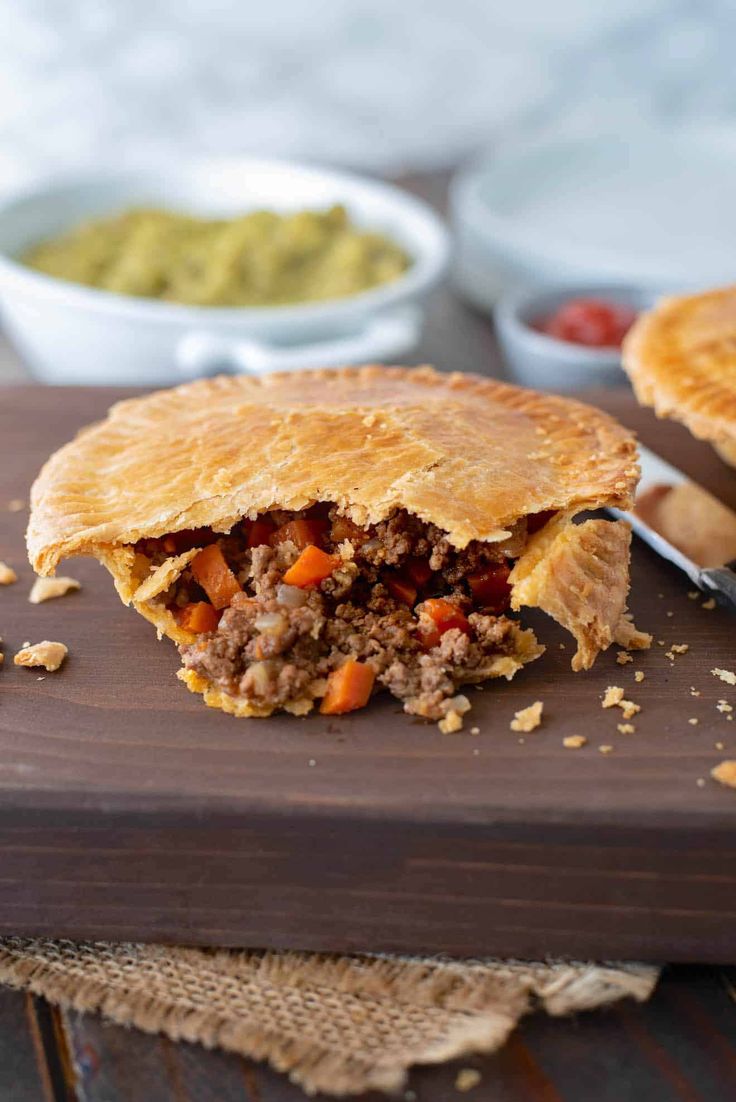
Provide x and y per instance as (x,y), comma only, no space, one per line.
(278,643)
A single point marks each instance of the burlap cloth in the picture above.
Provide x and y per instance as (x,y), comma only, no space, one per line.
(339,1024)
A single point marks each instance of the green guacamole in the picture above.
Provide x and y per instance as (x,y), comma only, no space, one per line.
(258,259)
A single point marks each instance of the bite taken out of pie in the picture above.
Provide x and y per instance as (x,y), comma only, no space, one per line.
(312,538)
(681,359)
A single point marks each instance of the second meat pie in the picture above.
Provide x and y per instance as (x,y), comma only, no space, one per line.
(316,537)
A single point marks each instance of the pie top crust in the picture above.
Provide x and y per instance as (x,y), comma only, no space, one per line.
(468,454)
(681,359)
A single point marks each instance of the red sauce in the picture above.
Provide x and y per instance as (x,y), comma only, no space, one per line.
(590,322)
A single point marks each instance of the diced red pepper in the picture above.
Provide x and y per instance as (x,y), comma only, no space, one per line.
(436,616)
(348,688)
(535,521)
(401,589)
(197,617)
(177,542)
(490,587)
(311,568)
(258,531)
(419,571)
(301,532)
(215,576)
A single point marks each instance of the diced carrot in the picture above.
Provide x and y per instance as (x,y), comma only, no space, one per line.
(401,588)
(215,576)
(418,570)
(301,532)
(311,568)
(343,528)
(259,531)
(436,616)
(197,617)
(348,688)
(490,587)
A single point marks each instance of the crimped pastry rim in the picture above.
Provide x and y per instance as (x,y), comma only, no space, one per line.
(665,378)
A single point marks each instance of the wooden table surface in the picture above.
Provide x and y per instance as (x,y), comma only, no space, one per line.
(680,1046)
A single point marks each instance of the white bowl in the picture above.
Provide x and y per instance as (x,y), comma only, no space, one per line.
(547,363)
(69,333)
(644,208)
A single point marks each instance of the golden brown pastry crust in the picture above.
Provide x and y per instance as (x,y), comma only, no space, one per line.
(470,455)
(579,575)
(681,359)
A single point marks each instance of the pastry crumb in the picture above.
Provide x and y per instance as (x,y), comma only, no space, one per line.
(311,763)
(605,749)
(15,505)
(625,728)
(693,721)
(614,695)
(623,657)
(700,782)
(48,654)
(710,604)
(639,675)
(680,648)
(451,723)
(574,742)
(725,773)
(475,730)
(694,691)
(46,589)
(694,594)
(466,1079)
(724,706)
(725,675)
(660,642)
(669,613)
(528,719)
(628,708)
(719,745)
(7,574)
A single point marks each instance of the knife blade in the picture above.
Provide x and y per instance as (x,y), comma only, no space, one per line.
(674,515)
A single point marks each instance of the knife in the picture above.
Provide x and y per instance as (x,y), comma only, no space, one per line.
(648,519)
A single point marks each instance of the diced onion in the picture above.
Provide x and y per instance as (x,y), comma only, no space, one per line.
(290,596)
(270,623)
(259,676)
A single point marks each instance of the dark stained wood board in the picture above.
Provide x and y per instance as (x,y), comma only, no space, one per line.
(129,810)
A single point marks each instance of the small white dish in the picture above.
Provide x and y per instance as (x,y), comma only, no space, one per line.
(69,333)
(548,363)
(642,207)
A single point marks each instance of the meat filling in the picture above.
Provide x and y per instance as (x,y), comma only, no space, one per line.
(295,606)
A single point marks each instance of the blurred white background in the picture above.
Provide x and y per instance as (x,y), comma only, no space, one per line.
(387,85)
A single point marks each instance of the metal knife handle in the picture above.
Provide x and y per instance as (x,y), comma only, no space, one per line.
(722,582)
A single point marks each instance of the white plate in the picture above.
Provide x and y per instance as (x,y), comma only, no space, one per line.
(74,334)
(650,208)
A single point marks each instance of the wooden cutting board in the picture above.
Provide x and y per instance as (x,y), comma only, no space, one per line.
(128,810)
